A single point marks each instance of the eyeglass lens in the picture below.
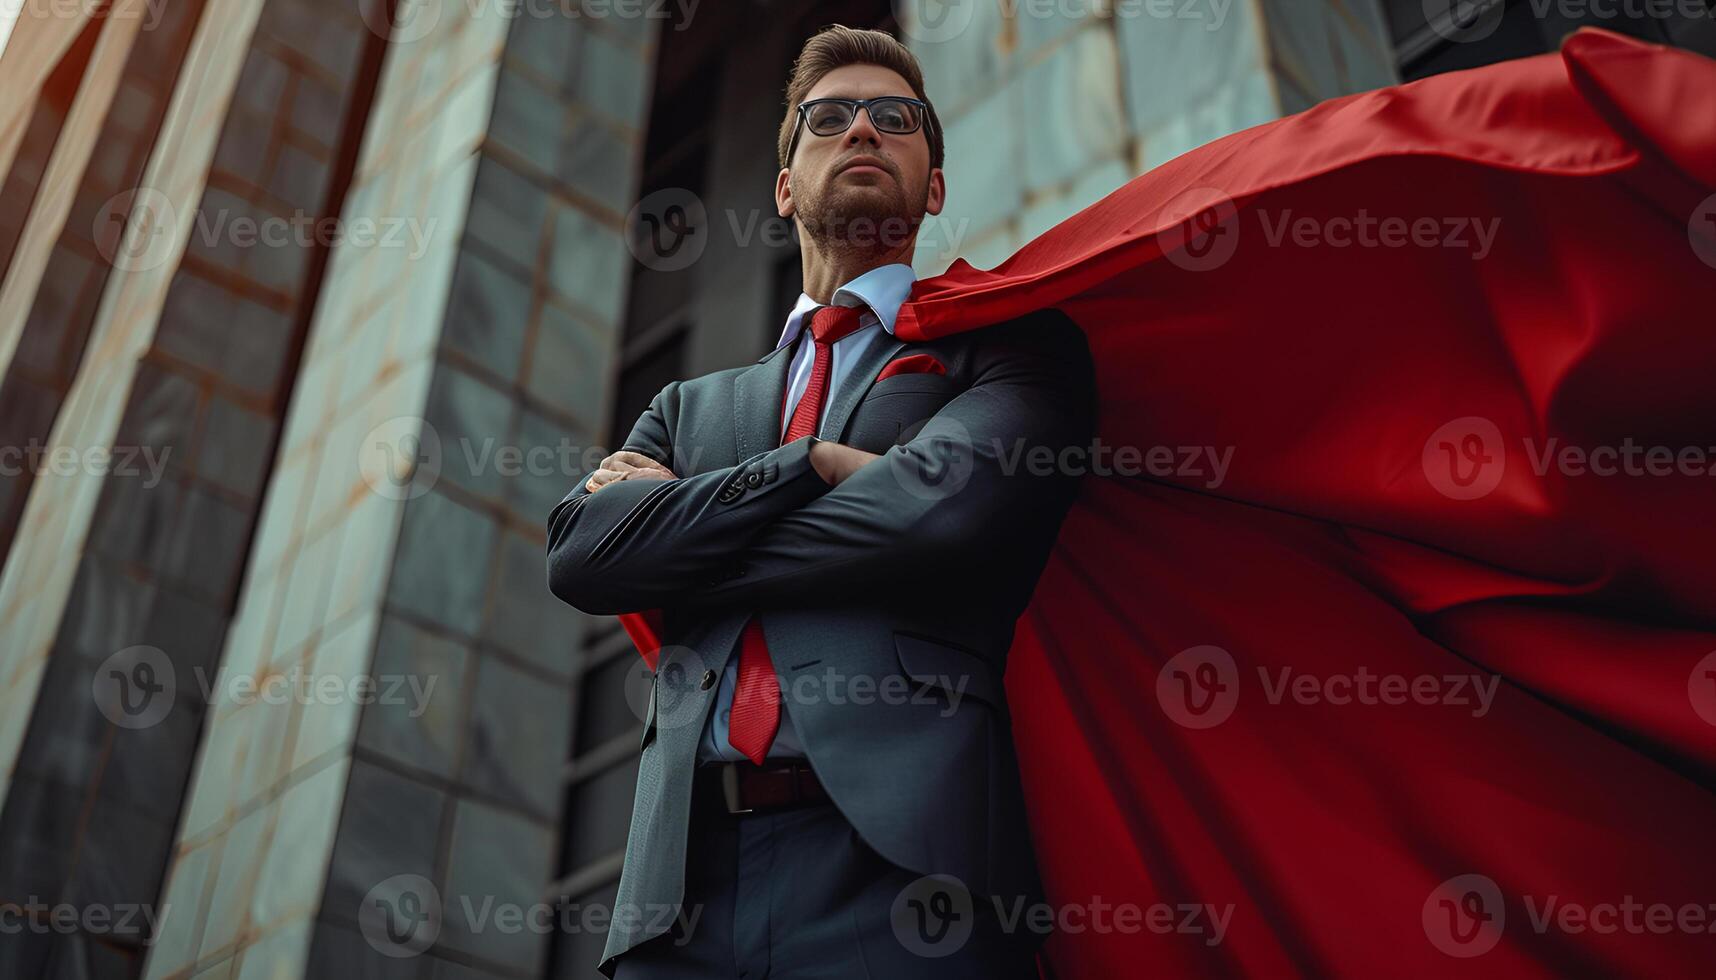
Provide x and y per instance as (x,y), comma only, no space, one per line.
(888,115)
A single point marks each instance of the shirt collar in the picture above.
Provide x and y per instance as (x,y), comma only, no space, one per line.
(883,289)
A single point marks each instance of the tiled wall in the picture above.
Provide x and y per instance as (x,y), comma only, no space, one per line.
(1048,107)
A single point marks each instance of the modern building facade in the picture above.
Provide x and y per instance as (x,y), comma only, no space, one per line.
(311,310)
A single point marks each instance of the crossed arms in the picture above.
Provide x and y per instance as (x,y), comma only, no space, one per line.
(785,526)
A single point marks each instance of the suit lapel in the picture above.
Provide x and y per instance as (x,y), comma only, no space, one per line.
(758,390)
(757,394)
(857,384)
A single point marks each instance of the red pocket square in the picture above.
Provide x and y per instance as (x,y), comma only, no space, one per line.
(913,364)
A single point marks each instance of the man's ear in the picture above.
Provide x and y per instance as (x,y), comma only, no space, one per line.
(784,203)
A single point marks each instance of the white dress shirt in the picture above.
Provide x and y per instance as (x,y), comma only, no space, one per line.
(878,295)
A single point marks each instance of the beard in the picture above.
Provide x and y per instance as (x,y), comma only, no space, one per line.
(871,219)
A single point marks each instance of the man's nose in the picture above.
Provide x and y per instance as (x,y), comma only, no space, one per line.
(863,129)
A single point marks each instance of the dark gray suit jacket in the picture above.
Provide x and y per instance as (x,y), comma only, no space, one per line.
(888,602)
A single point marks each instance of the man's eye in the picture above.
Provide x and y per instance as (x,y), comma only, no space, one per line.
(827,117)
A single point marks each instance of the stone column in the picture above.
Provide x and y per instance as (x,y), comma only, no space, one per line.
(448,395)
(39,39)
(176,337)
(91,163)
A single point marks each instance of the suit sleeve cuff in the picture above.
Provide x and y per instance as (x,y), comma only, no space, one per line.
(785,477)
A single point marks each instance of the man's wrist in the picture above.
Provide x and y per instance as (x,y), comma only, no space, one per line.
(834,462)
(822,460)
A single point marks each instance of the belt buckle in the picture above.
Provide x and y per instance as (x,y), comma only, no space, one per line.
(730,788)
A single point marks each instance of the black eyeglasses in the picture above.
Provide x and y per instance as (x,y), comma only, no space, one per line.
(831,117)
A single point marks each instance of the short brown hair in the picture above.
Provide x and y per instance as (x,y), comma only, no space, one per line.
(837,46)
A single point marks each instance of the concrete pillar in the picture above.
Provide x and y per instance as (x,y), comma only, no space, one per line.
(177,341)
(448,392)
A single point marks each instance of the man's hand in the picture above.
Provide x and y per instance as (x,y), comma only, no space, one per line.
(627,466)
(835,462)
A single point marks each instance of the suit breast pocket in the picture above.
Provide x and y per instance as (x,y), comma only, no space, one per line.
(895,409)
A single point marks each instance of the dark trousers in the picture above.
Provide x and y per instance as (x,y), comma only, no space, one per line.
(795,895)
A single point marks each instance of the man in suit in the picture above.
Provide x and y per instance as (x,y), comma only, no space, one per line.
(839,539)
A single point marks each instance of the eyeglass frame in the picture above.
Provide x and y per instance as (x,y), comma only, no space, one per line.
(864,104)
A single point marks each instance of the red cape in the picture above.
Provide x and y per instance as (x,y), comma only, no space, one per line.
(1385,513)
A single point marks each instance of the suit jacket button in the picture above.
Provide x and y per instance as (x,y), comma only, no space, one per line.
(708,679)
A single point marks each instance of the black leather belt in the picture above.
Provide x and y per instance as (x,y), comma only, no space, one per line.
(744,787)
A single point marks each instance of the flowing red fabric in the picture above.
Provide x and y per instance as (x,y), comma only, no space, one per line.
(1403,512)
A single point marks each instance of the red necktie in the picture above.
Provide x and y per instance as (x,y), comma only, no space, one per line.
(827,325)
(757,699)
